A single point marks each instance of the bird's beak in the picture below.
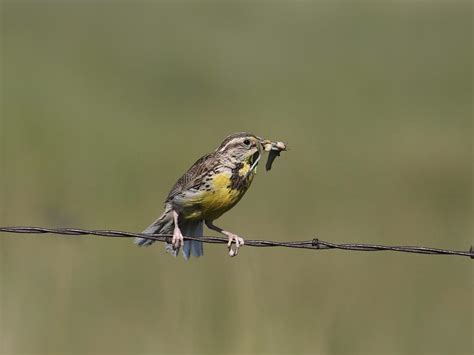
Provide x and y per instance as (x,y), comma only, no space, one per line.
(266,144)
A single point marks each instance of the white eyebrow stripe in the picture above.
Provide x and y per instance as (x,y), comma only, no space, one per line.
(232,141)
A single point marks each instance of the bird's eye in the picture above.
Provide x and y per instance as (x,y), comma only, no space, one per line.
(247,142)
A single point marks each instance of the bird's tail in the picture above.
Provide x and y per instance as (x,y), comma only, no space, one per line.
(163,225)
(192,247)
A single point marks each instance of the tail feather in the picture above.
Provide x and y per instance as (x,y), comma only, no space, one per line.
(162,225)
(165,225)
(192,247)
(197,248)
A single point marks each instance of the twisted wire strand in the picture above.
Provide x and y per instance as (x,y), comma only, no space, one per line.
(314,244)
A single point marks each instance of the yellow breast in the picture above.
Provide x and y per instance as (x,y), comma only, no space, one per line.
(220,197)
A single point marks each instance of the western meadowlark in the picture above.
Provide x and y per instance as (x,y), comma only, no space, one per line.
(213,185)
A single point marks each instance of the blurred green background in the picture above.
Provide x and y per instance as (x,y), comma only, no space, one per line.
(104,106)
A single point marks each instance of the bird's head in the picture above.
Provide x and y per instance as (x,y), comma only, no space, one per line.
(241,147)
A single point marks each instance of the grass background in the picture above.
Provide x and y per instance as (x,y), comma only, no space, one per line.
(105,104)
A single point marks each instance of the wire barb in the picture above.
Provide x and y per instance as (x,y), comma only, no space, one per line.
(314,244)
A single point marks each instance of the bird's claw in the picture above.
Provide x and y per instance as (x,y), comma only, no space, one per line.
(177,241)
(238,243)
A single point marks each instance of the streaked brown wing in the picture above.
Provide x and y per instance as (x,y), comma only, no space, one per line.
(194,176)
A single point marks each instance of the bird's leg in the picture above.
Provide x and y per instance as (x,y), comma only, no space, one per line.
(232,238)
(178,239)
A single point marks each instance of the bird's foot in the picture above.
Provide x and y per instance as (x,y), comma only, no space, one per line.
(177,241)
(238,243)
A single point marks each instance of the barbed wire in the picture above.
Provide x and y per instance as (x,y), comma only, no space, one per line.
(314,244)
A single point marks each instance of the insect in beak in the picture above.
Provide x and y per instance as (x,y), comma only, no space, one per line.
(274,149)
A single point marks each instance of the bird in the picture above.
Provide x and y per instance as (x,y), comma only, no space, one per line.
(213,185)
